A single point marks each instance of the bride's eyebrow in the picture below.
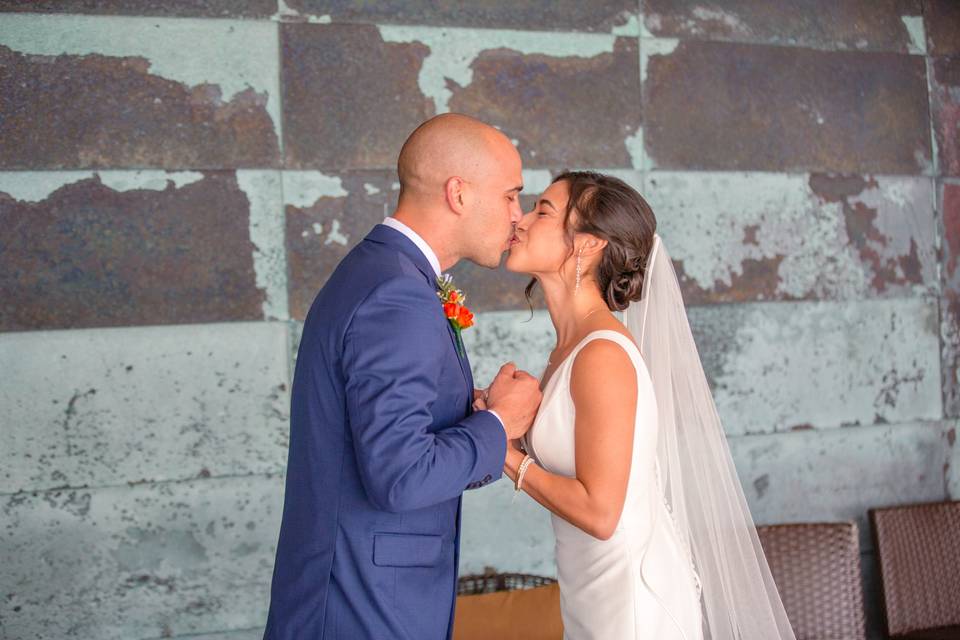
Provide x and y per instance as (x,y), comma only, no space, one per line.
(548,203)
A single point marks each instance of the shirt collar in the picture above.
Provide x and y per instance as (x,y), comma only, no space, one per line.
(417,240)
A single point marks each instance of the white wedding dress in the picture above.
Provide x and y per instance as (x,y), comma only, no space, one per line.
(641,583)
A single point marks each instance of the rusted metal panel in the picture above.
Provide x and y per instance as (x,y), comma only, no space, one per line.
(184,8)
(710,105)
(350,99)
(141,561)
(945,108)
(942,21)
(563,111)
(563,15)
(174,93)
(950,301)
(738,237)
(326,216)
(142,404)
(822,24)
(125,248)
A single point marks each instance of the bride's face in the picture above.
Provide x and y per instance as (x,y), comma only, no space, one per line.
(539,244)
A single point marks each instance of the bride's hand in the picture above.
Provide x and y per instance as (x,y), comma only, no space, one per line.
(479,399)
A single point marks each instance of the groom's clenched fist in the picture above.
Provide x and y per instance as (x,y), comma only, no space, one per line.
(515,396)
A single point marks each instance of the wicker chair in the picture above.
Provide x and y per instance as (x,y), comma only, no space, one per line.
(918,549)
(817,570)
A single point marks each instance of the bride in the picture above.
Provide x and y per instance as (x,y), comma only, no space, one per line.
(653,535)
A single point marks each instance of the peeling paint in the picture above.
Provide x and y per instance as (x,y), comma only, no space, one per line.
(453,50)
(262,189)
(654,47)
(918,38)
(233,55)
(305,188)
(768,236)
(37,186)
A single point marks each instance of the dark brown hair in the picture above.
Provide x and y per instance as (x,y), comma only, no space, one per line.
(610,209)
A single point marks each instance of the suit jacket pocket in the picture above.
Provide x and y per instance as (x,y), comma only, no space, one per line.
(406,549)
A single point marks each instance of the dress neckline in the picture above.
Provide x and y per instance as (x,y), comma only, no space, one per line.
(575,349)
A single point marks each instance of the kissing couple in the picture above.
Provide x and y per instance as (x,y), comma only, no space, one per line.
(619,438)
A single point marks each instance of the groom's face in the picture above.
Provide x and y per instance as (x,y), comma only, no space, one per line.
(495,208)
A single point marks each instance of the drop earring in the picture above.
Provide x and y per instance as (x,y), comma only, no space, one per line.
(576,289)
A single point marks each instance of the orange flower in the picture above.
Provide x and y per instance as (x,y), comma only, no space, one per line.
(465,318)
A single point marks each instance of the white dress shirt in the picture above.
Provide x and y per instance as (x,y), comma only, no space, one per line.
(393,223)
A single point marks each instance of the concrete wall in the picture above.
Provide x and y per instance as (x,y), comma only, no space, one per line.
(177,180)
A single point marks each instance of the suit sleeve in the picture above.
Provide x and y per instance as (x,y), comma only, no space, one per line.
(393,350)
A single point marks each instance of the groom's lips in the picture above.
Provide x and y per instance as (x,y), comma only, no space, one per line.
(514,240)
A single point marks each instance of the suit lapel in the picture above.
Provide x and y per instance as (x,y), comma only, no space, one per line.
(387,235)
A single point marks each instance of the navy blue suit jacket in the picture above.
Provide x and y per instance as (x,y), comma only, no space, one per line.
(383,441)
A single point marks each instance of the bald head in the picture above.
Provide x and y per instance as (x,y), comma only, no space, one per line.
(449,145)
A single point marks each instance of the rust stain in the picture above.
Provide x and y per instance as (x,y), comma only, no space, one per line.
(851,24)
(569,111)
(863,233)
(942,25)
(58,111)
(350,99)
(198,8)
(89,256)
(945,108)
(770,108)
(597,15)
(759,280)
(320,234)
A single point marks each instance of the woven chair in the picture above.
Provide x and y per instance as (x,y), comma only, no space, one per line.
(817,570)
(918,549)
(507,606)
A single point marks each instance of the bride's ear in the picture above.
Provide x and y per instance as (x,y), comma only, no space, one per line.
(594,245)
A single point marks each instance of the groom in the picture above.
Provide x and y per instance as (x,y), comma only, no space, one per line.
(383,438)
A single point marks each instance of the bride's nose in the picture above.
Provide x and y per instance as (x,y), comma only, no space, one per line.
(522,225)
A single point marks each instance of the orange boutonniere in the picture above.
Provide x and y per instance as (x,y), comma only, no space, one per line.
(452,299)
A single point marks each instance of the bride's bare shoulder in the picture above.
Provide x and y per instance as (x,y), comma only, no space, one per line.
(601,370)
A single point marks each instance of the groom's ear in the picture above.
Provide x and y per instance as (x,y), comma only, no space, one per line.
(454,191)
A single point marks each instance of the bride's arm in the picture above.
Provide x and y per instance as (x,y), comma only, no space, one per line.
(604,388)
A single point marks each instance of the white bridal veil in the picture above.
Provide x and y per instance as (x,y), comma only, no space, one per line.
(739,598)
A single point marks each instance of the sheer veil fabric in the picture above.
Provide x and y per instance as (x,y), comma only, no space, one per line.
(739,599)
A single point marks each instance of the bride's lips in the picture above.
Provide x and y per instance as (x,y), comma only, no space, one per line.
(514,240)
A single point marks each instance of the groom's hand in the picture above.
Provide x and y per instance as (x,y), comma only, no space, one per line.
(515,396)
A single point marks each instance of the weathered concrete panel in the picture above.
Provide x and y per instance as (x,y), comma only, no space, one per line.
(741,237)
(143,562)
(183,8)
(564,15)
(838,474)
(950,301)
(119,248)
(506,534)
(350,99)
(113,406)
(942,21)
(776,366)
(710,105)
(953,468)
(885,25)
(87,92)
(945,109)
